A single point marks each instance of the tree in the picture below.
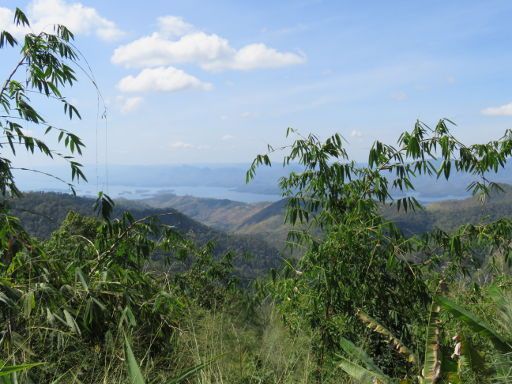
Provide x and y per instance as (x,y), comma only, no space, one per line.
(46,65)
(361,261)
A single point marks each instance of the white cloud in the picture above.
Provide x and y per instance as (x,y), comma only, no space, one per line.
(181,145)
(6,23)
(209,51)
(254,56)
(163,79)
(155,50)
(502,110)
(130,104)
(173,26)
(43,14)
(227,137)
(184,145)
(28,132)
(248,115)
(356,134)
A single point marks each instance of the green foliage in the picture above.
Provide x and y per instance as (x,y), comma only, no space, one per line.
(95,290)
(45,66)
(7,370)
(364,261)
(133,367)
(82,288)
(476,324)
(42,213)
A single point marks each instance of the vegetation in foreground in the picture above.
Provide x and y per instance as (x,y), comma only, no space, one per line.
(364,302)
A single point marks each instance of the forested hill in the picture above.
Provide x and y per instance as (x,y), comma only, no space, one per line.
(222,214)
(42,212)
(450,214)
(446,215)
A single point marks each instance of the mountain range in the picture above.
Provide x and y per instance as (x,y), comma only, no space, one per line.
(257,229)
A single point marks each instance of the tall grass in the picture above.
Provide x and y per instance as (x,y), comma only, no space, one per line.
(260,350)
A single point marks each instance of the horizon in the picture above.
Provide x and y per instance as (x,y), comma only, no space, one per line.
(182,86)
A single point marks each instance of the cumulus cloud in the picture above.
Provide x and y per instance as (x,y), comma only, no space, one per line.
(254,56)
(356,134)
(502,110)
(178,42)
(80,19)
(156,50)
(173,26)
(130,104)
(163,79)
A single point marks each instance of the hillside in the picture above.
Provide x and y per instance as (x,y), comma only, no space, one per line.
(450,214)
(268,222)
(221,214)
(446,215)
(263,219)
(41,214)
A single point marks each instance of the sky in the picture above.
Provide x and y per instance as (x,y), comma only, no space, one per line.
(216,81)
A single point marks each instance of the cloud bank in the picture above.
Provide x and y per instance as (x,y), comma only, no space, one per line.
(176,43)
(162,79)
(80,19)
(502,110)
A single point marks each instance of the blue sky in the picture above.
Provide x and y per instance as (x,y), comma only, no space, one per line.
(203,82)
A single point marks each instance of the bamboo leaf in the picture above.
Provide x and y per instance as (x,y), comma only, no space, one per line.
(9,369)
(361,374)
(359,354)
(476,324)
(192,371)
(133,367)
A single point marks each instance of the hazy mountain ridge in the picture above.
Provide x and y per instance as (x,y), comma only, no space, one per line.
(267,220)
(450,214)
(42,212)
(222,214)
(263,219)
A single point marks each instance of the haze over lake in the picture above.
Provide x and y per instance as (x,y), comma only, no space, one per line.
(218,181)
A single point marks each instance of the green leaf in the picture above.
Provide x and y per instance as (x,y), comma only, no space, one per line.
(133,367)
(433,358)
(20,18)
(476,324)
(29,303)
(191,371)
(362,374)
(359,354)
(9,369)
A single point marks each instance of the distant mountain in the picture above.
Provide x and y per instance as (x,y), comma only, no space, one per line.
(230,176)
(223,177)
(268,221)
(450,214)
(42,212)
(263,219)
(255,228)
(221,214)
